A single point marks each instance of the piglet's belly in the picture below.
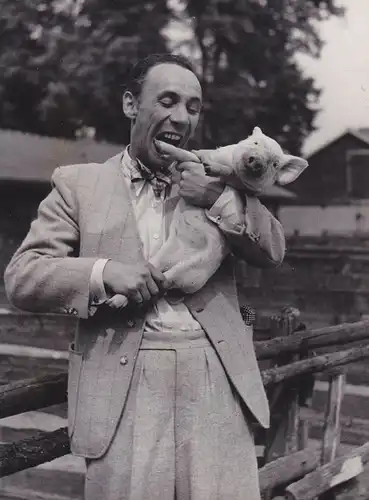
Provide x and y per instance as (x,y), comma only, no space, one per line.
(194,250)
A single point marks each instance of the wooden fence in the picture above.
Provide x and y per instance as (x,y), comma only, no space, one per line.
(289,356)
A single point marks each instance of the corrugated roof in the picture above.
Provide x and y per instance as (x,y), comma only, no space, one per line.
(29,157)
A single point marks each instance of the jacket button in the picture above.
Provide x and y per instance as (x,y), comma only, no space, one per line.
(131,323)
(123,360)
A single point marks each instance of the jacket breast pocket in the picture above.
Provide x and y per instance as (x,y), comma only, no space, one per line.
(74,373)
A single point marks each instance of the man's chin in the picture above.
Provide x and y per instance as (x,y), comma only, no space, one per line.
(158,160)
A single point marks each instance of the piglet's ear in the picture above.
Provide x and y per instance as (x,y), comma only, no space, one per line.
(257,132)
(291,168)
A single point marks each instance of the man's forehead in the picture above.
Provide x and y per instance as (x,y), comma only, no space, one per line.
(169,77)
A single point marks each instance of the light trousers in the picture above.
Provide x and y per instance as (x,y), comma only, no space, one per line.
(183,434)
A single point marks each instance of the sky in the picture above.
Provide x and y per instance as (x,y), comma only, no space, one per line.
(342,72)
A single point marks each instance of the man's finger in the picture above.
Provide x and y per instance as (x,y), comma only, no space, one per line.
(159,278)
(152,286)
(136,296)
(202,154)
(187,166)
(176,153)
(145,293)
(117,301)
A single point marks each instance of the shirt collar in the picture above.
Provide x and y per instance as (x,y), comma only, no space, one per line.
(129,170)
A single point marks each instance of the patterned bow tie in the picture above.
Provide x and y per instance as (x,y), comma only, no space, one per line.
(159,180)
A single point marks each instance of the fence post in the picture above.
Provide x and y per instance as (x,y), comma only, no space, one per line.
(332,427)
(282,437)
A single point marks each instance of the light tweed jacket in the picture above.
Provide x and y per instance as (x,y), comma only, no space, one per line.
(88,215)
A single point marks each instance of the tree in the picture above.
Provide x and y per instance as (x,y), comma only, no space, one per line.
(66,62)
(23,81)
(109,37)
(246,60)
(63,63)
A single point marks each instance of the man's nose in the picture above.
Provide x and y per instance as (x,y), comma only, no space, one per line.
(179,115)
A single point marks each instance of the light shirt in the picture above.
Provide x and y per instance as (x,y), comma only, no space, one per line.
(150,217)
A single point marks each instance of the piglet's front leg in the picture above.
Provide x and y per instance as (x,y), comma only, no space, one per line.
(218,170)
(218,162)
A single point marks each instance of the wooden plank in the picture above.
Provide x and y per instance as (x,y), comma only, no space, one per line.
(290,319)
(33,394)
(44,447)
(51,331)
(329,475)
(32,352)
(314,364)
(354,489)
(304,340)
(332,428)
(288,468)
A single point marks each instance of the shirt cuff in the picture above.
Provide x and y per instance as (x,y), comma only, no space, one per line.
(98,293)
(228,212)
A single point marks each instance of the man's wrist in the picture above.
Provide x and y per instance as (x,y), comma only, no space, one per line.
(214,193)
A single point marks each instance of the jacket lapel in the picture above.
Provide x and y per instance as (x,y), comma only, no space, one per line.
(111,225)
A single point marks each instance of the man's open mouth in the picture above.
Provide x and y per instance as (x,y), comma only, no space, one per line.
(170,137)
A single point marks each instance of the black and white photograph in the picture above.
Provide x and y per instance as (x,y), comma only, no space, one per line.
(184,250)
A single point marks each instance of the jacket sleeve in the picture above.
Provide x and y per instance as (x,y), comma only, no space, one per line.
(253,233)
(46,273)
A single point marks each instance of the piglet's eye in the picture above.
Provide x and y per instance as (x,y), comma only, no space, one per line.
(275,164)
(256,142)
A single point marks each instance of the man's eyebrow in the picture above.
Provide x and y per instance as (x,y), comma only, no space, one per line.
(175,95)
(168,93)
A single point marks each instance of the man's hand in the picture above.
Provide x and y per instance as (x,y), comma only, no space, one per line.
(196,187)
(139,283)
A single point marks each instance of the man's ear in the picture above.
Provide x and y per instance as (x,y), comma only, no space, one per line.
(130,105)
(291,168)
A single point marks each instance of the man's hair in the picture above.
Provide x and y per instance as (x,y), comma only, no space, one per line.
(137,74)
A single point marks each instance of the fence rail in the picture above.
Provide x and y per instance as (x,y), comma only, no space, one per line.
(290,357)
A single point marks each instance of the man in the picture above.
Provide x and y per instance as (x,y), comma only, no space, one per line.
(160,395)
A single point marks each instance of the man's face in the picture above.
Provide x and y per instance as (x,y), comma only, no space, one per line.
(167,109)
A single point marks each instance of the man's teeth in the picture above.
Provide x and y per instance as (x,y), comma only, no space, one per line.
(170,137)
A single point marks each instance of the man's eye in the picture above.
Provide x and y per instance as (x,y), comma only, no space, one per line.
(193,110)
(167,102)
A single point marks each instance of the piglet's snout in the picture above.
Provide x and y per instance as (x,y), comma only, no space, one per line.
(254,165)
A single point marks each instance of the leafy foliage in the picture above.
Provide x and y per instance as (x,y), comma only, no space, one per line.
(246,58)
(63,63)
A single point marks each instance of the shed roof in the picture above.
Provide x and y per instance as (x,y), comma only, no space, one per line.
(29,157)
